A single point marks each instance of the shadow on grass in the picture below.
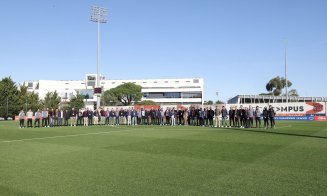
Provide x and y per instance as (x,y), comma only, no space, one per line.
(273,131)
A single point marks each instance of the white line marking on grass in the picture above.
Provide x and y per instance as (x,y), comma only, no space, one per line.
(59,136)
(285,126)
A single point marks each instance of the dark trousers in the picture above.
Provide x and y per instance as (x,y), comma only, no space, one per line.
(201,121)
(90,121)
(272,122)
(242,121)
(180,120)
(80,120)
(167,120)
(211,121)
(37,121)
(231,121)
(265,120)
(29,122)
(44,122)
(258,121)
(21,122)
(66,122)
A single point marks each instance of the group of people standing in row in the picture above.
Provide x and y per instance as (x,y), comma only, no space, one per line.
(193,116)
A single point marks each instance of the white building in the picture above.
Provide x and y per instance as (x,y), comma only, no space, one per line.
(185,91)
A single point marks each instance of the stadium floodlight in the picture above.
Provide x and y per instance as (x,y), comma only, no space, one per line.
(98,15)
(286,86)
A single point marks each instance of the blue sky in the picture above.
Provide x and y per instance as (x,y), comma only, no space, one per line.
(235,45)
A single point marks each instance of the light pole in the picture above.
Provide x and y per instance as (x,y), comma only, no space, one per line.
(286,86)
(98,15)
(217,93)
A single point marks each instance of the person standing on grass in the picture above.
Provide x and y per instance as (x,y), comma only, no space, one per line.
(73,115)
(134,117)
(60,116)
(211,114)
(265,117)
(231,115)
(90,116)
(201,117)
(21,117)
(96,117)
(246,117)
(257,114)
(167,114)
(224,116)
(112,117)
(172,117)
(251,116)
(107,116)
(237,117)
(66,117)
(85,118)
(37,118)
(242,116)
(129,116)
(185,117)
(50,117)
(271,114)
(217,114)
(29,115)
(139,116)
(45,118)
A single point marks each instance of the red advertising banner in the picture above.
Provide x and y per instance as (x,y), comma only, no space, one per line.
(321,118)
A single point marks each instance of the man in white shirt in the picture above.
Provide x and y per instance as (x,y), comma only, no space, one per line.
(29,115)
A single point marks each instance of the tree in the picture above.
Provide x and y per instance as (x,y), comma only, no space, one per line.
(146,102)
(109,98)
(27,100)
(124,93)
(276,85)
(293,93)
(77,102)
(51,100)
(8,97)
(219,102)
(210,102)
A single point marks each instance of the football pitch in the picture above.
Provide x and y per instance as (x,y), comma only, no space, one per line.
(154,160)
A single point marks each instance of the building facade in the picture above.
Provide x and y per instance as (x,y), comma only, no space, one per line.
(185,91)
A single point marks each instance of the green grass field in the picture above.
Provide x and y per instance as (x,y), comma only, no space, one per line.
(148,160)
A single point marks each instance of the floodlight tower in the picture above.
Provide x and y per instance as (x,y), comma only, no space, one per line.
(286,86)
(98,15)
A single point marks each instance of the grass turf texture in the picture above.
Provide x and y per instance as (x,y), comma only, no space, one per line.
(148,160)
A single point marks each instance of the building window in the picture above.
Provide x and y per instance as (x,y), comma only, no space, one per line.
(30,85)
(192,95)
(196,81)
(159,95)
